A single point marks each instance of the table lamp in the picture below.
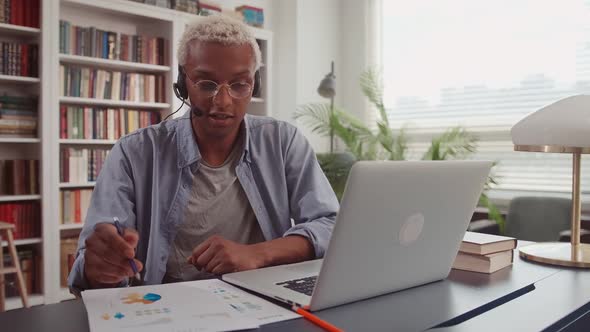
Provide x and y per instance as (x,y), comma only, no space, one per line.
(562,127)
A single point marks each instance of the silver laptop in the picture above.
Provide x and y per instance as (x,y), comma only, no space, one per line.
(400,225)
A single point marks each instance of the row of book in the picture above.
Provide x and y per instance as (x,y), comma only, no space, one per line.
(73,205)
(20,12)
(81,165)
(25,216)
(102,123)
(68,248)
(19,59)
(187,6)
(19,177)
(97,83)
(94,42)
(30,264)
(485,253)
(18,116)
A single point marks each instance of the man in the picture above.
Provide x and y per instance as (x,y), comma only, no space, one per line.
(212,192)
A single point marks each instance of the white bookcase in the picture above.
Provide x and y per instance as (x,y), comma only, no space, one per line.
(115,15)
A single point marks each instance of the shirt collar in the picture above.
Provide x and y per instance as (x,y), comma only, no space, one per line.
(188,149)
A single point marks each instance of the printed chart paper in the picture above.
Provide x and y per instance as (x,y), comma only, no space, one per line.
(252,306)
(176,307)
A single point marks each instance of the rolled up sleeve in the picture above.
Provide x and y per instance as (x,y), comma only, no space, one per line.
(313,204)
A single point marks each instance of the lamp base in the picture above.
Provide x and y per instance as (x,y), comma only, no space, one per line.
(558,253)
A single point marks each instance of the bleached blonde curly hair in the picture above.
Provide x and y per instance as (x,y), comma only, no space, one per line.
(220,29)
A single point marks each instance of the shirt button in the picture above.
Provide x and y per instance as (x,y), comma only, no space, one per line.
(184,186)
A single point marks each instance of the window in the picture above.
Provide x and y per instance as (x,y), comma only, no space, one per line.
(484,65)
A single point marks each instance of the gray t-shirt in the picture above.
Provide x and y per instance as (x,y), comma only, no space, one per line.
(218,206)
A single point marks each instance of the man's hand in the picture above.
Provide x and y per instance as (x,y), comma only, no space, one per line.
(218,255)
(106,259)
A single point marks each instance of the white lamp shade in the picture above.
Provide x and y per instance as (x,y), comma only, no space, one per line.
(565,123)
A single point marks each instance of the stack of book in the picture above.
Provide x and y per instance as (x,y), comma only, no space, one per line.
(81,165)
(30,264)
(94,42)
(19,177)
(485,253)
(20,12)
(24,216)
(102,123)
(74,204)
(18,116)
(115,85)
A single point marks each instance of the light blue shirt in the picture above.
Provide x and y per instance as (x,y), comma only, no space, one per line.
(146,182)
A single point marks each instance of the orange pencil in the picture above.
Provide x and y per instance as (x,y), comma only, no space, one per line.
(316,320)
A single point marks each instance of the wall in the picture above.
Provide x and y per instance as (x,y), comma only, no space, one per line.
(307,39)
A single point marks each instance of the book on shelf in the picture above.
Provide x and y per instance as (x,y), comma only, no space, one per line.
(194,7)
(19,177)
(19,59)
(484,263)
(102,123)
(68,247)
(30,263)
(20,12)
(18,116)
(81,165)
(94,42)
(483,244)
(25,216)
(253,16)
(88,82)
(74,205)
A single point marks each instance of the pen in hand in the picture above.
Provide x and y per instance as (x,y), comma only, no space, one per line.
(121,230)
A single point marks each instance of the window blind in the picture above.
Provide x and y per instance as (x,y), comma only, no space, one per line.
(484,65)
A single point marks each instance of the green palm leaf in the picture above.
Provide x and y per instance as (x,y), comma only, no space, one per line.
(455,143)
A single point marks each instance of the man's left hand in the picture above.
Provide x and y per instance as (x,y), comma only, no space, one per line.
(218,256)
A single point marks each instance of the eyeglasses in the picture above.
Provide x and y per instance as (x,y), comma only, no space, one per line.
(208,89)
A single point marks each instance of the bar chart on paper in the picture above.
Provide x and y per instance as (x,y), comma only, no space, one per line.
(172,307)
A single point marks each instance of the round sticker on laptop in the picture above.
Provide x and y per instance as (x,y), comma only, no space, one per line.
(411,229)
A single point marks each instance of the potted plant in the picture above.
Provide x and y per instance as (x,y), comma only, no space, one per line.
(384,143)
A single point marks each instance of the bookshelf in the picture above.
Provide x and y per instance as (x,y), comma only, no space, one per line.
(87,141)
(77,185)
(19,140)
(24,242)
(112,103)
(120,16)
(66,227)
(18,79)
(18,30)
(113,64)
(25,84)
(19,198)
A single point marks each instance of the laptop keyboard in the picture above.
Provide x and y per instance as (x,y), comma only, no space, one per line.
(302,285)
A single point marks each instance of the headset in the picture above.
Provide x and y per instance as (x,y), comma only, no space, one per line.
(181,91)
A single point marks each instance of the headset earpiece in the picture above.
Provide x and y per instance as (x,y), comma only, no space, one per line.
(180,86)
(257,84)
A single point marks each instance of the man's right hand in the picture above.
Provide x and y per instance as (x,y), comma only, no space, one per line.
(106,259)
